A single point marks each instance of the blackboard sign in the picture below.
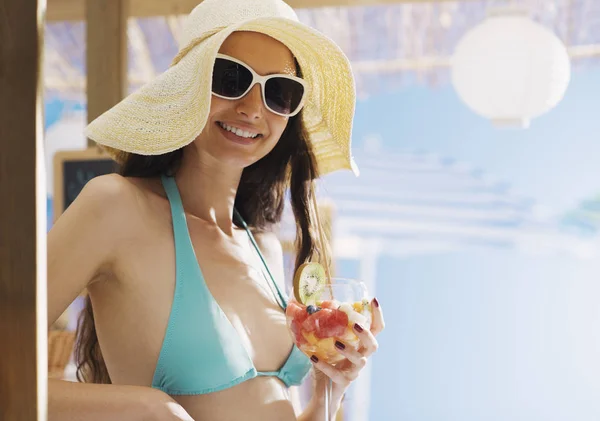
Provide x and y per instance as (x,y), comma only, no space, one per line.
(72,170)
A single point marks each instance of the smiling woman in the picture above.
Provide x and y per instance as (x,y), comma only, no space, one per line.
(186,307)
(244,105)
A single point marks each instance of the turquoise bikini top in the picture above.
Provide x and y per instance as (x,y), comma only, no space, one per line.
(202,352)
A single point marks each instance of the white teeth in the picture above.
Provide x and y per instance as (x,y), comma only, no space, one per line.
(239,132)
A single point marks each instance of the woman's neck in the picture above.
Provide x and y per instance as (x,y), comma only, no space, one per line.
(208,190)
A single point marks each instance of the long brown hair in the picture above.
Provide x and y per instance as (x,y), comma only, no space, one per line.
(260,201)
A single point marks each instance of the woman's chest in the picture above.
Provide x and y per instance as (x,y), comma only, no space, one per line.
(228,274)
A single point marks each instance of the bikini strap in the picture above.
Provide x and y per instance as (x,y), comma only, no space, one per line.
(180,229)
(281,297)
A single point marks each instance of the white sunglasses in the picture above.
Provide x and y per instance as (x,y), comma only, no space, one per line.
(282,94)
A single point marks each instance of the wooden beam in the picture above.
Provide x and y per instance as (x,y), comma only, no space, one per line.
(424,63)
(106,55)
(63,10)
(23,327)
(77,84)
(399,65)
(584,51)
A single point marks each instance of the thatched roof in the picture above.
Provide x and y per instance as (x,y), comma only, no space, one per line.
(389,45)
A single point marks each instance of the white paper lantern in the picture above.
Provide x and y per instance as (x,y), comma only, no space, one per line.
(510,69)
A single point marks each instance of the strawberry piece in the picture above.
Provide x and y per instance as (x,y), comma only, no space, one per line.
(331,323)
(296,311)
(311,323)
(341,318)
(331,305)
(297,331)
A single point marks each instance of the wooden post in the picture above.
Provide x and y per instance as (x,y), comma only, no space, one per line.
(61,10)
(106,55)
(23,326)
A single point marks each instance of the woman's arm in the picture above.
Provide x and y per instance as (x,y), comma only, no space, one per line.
(100,402)
(315,410)
(82,241)
(81,250)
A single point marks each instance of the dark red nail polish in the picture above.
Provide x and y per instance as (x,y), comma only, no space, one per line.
(314,359)
(340,345)
(358,328)
(375,302)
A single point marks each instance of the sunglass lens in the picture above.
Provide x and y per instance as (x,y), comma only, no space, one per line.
(283,95)
(230,79)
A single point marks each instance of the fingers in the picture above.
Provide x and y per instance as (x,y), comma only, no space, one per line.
(341,377)
(377,325)
(369,343)
(356,360)
(355,357)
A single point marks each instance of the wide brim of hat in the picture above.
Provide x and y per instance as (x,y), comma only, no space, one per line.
(169,112)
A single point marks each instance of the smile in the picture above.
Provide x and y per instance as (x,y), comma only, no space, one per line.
(239,132)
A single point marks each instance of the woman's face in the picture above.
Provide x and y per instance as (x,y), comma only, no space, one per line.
(266,56)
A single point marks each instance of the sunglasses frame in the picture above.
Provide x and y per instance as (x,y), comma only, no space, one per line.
(262,81)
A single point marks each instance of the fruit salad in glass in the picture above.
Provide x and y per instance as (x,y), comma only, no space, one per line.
(326,310)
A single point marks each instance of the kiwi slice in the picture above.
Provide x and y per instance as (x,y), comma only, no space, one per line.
(309,282)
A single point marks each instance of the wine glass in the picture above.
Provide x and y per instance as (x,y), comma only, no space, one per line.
(327,316)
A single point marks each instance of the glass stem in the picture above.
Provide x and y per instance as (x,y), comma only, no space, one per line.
(328,390)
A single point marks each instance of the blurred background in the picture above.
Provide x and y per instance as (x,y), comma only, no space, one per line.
(475,219)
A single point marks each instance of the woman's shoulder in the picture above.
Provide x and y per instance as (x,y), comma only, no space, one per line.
(270,246)
(117,188)
(109,190)
(269,243)
(116,196)
(106,187)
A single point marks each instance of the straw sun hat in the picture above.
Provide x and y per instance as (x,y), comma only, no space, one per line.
(169,112)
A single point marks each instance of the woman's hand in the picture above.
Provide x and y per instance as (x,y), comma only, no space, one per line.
(161,407)
(346,371)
